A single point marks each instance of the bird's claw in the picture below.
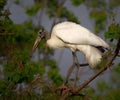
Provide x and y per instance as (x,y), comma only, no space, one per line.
(64,89)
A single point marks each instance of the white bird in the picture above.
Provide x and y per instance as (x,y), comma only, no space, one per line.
(76,38)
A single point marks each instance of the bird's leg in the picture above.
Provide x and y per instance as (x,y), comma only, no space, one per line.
(75,63)
(64,87)
(76,76)
(71,68)
(69,72)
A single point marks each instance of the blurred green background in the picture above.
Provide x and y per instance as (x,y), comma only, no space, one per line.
(23,77)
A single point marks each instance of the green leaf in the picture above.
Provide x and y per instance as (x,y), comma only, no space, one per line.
(114,3)
(2,4)
(103,86)
(65,13)
(96,3)
(33,10)
(2,86)
(113,31)
(113,95)
(55,76)
(77,2)
(117,68)
(52,6)
(100,18)
(17,2)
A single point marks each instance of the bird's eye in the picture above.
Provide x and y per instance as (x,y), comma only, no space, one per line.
(41,33)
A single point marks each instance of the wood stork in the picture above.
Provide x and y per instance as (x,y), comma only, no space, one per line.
(76,38)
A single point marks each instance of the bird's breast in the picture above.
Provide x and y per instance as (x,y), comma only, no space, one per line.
(55,43)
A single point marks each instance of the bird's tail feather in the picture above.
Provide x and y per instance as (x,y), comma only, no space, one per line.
(92,54)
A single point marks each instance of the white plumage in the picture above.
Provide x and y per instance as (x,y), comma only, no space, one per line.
(77,38)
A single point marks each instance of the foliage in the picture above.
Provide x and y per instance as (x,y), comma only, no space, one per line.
(2,3)
(113,31)
(33,10)
(77,2)
(52,5)
(98,12)
(21,75)
(96,3)
(101,11)
(17,1)
(100,17)
(63,12)
(114,4)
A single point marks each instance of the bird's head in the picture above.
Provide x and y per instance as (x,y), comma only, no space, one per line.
(41,34)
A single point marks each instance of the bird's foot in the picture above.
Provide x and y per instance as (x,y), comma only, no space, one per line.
(62,87)
(70,89)
(65,89)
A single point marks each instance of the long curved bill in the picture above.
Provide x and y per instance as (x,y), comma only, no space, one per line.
(35,44)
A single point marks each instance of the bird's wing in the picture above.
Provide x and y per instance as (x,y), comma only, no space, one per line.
(75,34)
